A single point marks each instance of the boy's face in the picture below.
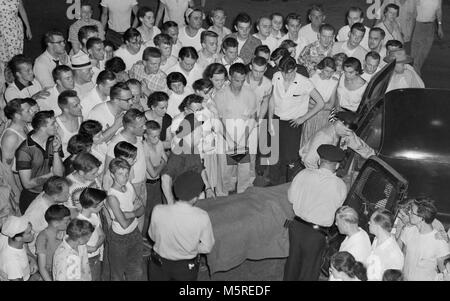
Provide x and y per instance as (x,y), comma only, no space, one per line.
(121,176)
(90,175)
(98,208)
(166,50)
(231,53)
(211,44)
(84,239)
(219,18)
(152,136)
(28,235)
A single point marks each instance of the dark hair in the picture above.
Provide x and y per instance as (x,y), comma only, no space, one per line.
(104,76)
(133,82)
(188,100)
(130,33)
(92,42)
(394,43)
(384,219)
(327,62)
(80,142)
(327,27)
(316,7)
(143,11)
(18,60)
(238,68)
(13,107)
(287,64)
(214,68)
(391,5)
(91,197)
(293,16)
(30,101)
(125,149)
(279,53)
(115,64)
(55,185)
(169,24)
(373,54)
(56,73)
(118,163)
(156,97)
(56,212)
(395,275)
(229,42)
(359,27)
(85,162)
(41,119)
(262,48)
(353,63)
(188,52)
(84,32)
(379,30)
(175,77)
(152,125)
(242,18)
(426,209)
(202,84)
(117,88)
(78,228)
(108,43)
(151,52)
(131,116)
(63,98)
(49,35)
(90,127)
(354,9)
(162,38)
(340,56)
(207,33)
(345,262)
(288,44)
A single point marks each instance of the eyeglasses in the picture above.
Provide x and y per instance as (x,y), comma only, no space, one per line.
(59,42)
(126,99)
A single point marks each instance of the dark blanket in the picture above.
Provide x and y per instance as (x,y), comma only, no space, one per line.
(248,226)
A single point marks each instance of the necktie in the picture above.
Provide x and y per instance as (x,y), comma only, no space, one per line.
(56,62)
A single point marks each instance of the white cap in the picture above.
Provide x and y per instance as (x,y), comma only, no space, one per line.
(14,225)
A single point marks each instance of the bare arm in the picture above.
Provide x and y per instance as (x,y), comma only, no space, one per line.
(264,107)
(9,145)
(155,172)
(136,19)
(23,14)
(42,261)
(104,16)
(30,183)
(166,185)
(119,215)
(58,166)
(159,13)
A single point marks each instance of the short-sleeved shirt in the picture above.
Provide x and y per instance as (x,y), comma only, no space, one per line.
(70,264)
(293,103)
(119,13)
(129,58)
(384,256)
(14,263)
(180,163)
(308,33)
(155,82)
(422,252)
(84,89)
(31,156)
(47,243)
(18,90)
(358,245)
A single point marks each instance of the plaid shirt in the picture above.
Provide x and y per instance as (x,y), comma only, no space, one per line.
(312,55)
(155,82)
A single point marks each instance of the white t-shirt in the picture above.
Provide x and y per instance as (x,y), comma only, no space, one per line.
(426,10)
(50,102)
(383,257)
(422,252)
(343,36)
(126,200)
(292,103)
(95,221)
(128,58)
(191,77)
(187,41)
(102,114)
(175,100)
(119,13)
(308,34)
(270,42)
(139,168)
(90,101)
(325,87)
(14,263)
(175,10)
(358,245)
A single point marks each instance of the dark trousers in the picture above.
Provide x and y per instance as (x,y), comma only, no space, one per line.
(306,249)
(289,146)
(114,37)
(125,256)
(162,269)
(154,197)
(26,197)
(96,268)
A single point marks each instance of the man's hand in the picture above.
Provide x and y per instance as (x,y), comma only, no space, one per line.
(440,32)
(210,193)
(33,265)
(41,94)
(297,122)
(56,143)
(91,249)
(29,34)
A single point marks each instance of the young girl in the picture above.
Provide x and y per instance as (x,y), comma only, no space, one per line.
(176,82)
(147,29)
(218,19)
(158,103)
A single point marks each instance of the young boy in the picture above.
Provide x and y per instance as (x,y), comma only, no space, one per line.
(92,200)
(208,54)
(122,150)
(230,53)
(70,262)
(125,245)
(48,240)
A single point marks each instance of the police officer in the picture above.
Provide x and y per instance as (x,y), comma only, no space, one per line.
(316,194)
(180,232)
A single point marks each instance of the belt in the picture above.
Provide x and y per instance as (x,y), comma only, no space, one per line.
(321,229)
(161,260)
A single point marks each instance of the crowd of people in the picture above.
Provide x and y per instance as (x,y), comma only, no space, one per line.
(107,145)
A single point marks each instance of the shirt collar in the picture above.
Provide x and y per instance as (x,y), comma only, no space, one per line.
(20,86)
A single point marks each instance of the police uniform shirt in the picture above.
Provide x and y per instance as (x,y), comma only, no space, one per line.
(316,194)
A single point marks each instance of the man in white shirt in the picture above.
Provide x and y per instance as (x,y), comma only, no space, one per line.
(54,55)
(99,94)
(424,253)
(24,85)
(208,53)
(117,15)
(171,29)
(264,27)
(181,232)
(63,77)
(131,52)
(187,65)
(376,37)
(189,35)
(82,72)
(352,46)
(354,15)
(356,240)
(164,43)
(310,32)
(96,51)
(371,65)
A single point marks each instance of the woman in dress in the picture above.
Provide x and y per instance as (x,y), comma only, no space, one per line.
(158,102)
(390,25)
(351,86)
(11,29)
(325,82)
